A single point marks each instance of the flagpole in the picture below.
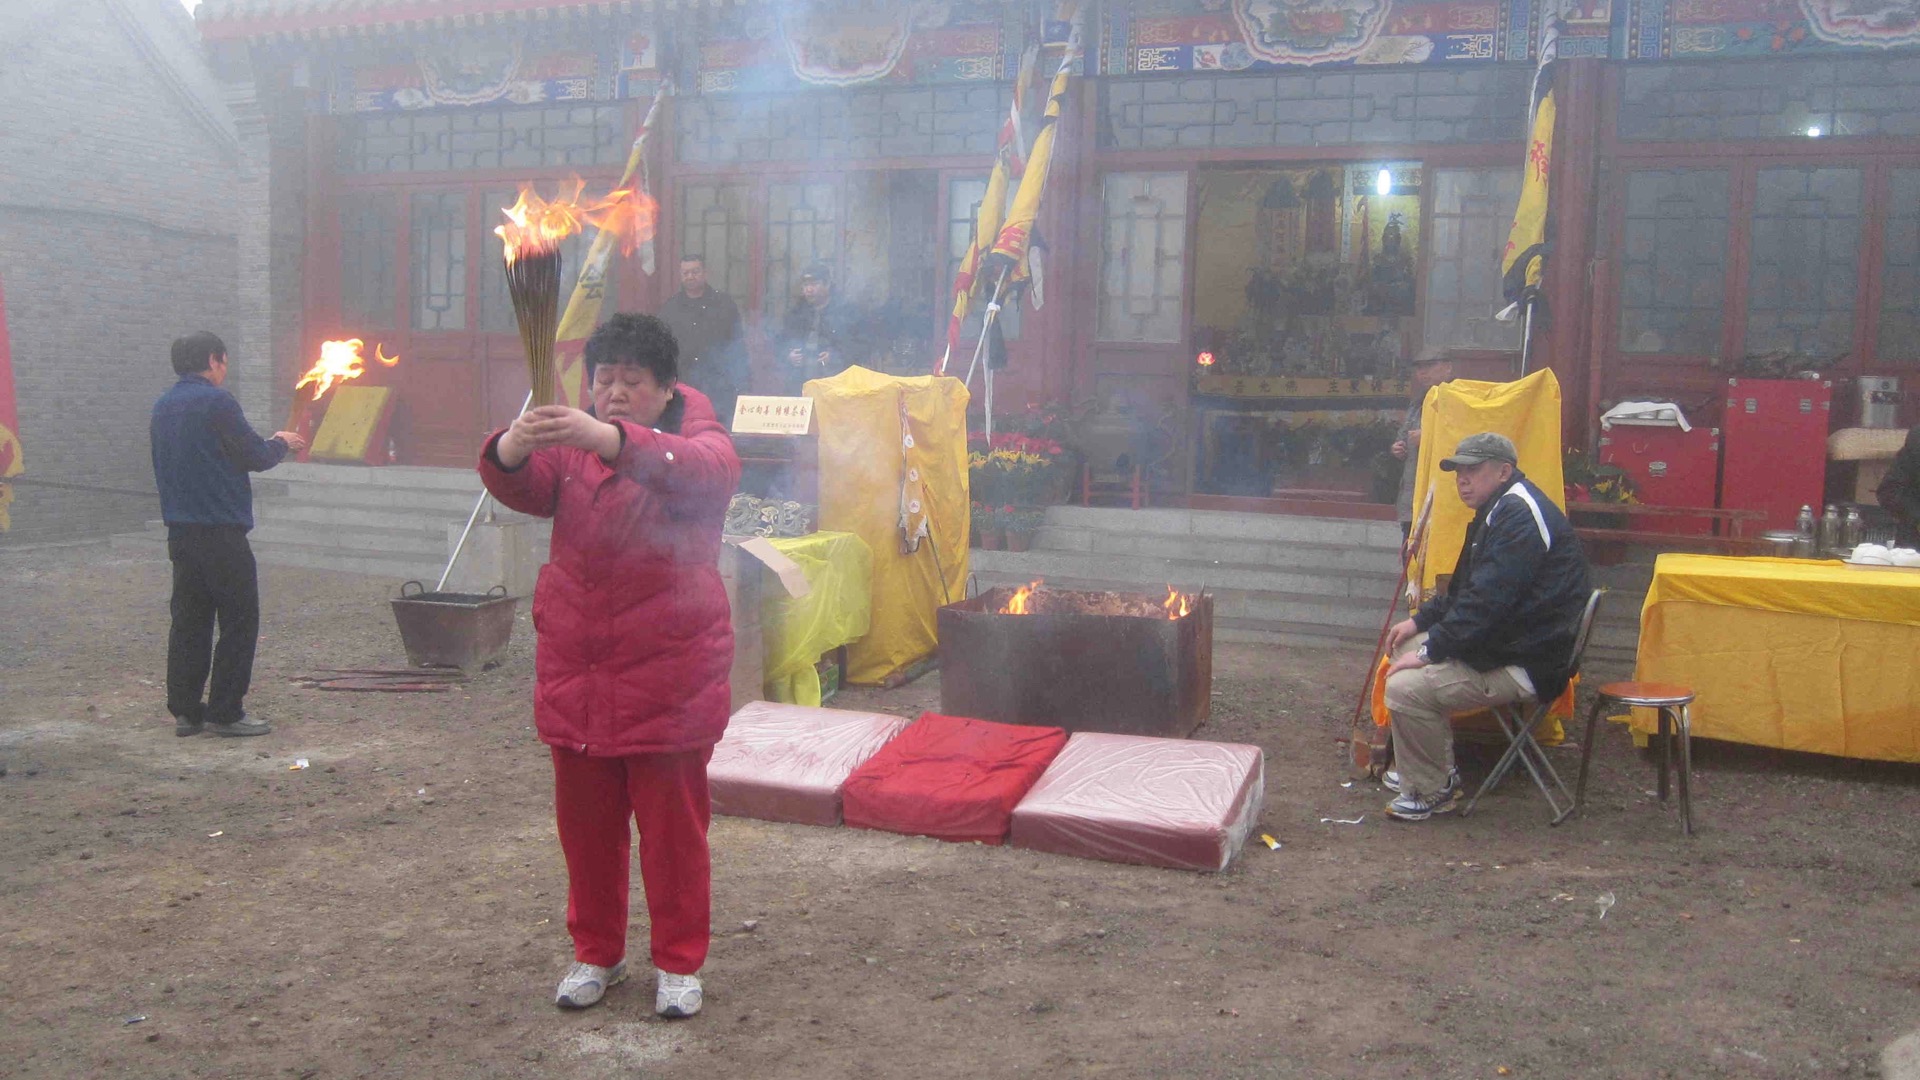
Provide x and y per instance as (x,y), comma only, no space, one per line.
(1526,338)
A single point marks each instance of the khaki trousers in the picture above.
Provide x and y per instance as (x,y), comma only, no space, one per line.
(1422,702)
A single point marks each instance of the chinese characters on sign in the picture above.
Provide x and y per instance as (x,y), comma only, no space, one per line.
(772,415)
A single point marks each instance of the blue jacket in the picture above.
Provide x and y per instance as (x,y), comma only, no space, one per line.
(1517,592)
(203,449)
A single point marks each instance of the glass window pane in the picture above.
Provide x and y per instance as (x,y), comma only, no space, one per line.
(1143,256)
(439,271)
(715,225)
(1803,273)
(369,227)
(1899,335)
(1673,269)
(1472,213)
(803,225)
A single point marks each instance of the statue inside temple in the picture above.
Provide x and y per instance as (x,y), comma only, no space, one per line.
(1389,289)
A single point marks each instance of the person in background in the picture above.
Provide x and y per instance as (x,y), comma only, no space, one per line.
(821,334)
(635,646)
(1899,492)
(1502,632)
(203,448)
(1429,371)
(706,324)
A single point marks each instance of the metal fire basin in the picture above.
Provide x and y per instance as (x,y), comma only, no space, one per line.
(1124,674)
(444,629)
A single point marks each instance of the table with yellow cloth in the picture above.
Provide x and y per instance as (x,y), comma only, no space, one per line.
(1788,653)
(835,612)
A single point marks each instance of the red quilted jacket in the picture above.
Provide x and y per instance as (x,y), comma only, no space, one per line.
(635,642)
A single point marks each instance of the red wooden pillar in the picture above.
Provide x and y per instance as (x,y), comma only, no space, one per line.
(1573,315)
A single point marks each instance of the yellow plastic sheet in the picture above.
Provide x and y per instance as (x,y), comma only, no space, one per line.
(835,612)
(868,478)
(1816,657)
(1527,411)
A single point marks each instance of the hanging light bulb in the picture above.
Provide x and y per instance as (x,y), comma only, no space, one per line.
(1383,183)
(1814,132)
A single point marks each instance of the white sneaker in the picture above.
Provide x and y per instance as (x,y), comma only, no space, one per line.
(677,996)
(1391,780)
(586,984)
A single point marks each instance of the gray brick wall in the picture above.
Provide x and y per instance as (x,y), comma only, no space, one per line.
(1747,99)
(827,125)
(1466,105)
(116,199)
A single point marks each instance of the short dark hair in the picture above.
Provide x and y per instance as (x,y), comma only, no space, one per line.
(195,352)
(640,340)
(691,257)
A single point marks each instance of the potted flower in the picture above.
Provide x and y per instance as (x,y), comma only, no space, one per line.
(1022,522)
(986,524)
(1590,483)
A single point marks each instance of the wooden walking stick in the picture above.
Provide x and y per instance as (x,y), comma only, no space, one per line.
(1368,740)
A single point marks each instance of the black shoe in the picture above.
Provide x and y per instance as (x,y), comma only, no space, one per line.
(246,725)
(185,726)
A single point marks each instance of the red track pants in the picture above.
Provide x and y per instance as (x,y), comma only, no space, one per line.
(667,795)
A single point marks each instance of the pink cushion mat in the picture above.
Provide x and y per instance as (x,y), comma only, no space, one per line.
(1177,803)
(788,762)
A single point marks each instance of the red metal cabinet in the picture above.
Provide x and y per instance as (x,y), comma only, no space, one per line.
(1668,467)
(1774,435)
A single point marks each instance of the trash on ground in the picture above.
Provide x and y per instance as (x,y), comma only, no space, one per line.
(1343,820)
(1272,844)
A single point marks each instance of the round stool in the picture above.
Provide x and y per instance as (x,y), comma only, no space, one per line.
(1672,700)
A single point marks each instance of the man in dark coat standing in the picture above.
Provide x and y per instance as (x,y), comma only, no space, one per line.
(706,325)
(1502,632)
(203,449)
(822,334)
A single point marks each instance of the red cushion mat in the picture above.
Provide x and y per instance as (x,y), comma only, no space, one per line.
(787,762)
(1177,803)
(950,777)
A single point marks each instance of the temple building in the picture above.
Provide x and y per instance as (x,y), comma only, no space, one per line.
(1257,215)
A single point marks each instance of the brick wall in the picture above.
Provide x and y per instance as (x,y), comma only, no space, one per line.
(116,191)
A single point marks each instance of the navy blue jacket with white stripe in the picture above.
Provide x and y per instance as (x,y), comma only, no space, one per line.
(1517,592)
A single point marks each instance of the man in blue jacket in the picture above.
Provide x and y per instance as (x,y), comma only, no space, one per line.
(1501,633)
(203,449)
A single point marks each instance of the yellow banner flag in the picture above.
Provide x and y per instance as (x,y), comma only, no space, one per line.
(589,291)
(1008,165)
(1010,248)
(1524,260)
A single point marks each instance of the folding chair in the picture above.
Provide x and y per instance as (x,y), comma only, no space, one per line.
(1522,719)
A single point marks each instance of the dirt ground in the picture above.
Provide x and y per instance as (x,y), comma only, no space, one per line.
(194,908)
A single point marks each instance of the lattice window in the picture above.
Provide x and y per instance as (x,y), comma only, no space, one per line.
(1673,273)
(1472,213)
(803,225)
(369,227)
(496,307)
(963,216)
(824,125)
(1899,339)
(716,223)
(459,140)
(1769,98)
(1143,246)
(1804,273)
(439,270)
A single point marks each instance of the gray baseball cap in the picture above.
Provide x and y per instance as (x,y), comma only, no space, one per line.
(1486,446)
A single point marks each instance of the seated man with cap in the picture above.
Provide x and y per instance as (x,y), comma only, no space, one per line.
(1502,632)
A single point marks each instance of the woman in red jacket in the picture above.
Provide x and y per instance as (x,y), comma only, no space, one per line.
(634,647)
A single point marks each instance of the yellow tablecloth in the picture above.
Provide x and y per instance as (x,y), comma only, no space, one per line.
(836,611)
(1814,656)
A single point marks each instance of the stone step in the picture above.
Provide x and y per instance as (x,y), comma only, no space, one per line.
(308,516)
(437,501)
(1154,574)
(398,568)
(378,542)
(1224,525)
(411,477)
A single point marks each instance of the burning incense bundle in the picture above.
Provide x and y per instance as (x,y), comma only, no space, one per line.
(531,237)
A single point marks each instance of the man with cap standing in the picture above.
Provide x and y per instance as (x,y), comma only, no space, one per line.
(1501,633)
(820,336)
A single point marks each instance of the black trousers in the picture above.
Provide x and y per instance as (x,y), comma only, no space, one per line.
(214,580)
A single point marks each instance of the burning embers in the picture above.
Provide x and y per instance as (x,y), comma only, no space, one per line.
(1084,661)
(340,361)
(1034,598)
(531,240)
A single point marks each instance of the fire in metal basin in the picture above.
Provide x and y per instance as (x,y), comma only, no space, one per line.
(1084,661)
